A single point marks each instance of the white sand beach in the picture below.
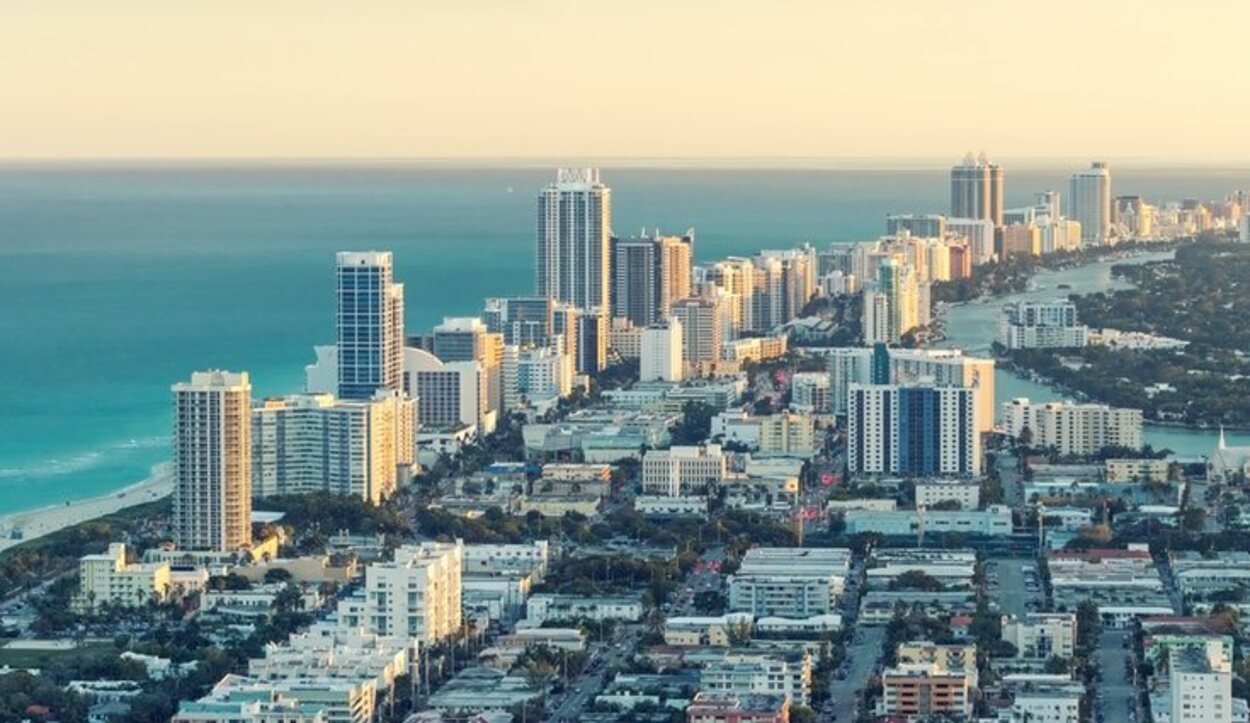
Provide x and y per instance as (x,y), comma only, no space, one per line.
(33,524)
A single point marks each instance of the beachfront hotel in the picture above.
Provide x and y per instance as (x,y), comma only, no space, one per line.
(213,462)
(370,324)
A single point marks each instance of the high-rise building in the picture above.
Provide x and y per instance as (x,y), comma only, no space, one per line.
(591,354)
(649,273)
(537,377)
(469,339)
(447,394)
(1041,325)
(213,462)
(912,430)
(736,276)
(572,240)
(370,324)
(306,443)
(1073,429)
(1089,203)
(660,352)
(980,235)
(923,225)
(703,326)
(523,320)
(893,303)
(977,190)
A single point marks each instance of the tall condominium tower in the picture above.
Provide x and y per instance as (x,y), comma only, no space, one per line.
(977,190)
(370,324)
(1089,203)
(213,462)
(649,273)
(572,247)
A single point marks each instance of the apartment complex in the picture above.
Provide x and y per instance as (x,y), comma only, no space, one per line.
(108,579)
(370,324)
(417,594)
(1073,429)
(789,582)
(912,430)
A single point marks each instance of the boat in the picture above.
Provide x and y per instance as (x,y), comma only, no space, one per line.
(1063,286)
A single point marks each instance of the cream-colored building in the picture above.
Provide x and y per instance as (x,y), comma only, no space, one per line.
(108,579)
(790,434)
(703,327)
(213,462)
(1073,429)
(1130,470)
(313,443)
(937,491)
(1039,636)
(682,470)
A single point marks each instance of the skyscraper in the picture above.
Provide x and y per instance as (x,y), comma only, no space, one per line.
(572,239)
(370,325)
(213,462)
(703,326)
(977,190)
(1089,203)
(649,273)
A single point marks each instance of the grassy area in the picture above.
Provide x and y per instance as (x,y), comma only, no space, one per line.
(34,658)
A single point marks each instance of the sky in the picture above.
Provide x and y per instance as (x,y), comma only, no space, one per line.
(1115,79)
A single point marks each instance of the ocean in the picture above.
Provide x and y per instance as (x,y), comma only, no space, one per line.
(119,279)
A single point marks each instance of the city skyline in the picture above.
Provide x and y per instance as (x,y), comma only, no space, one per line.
(442,80)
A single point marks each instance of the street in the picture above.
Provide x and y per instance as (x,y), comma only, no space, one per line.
(1116,700)
(861,660)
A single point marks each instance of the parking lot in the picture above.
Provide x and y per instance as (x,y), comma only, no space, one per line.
(1015,585)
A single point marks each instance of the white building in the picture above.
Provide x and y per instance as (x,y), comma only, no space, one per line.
(1073,429)
(108,579)
(980,235)
(993,521)
(666,506)
(1201,687)
(760,673)
(314,443)
(1040,636)
(682,470)
(239,699)
(932,492)
(1045,704)
(572,245)
(1041,325)
(448,394)
(660,352)
(810,392)
(536,377)
(546,606)
(417,594)
(213,462)
(1089,204)
(789,582)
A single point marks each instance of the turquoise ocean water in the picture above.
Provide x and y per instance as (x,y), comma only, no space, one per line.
(117,280)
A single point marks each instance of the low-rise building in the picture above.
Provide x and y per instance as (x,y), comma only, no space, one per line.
(109,579)
(938,491)
(719,631)
(597,608)
(740,672)
(921,690)
(708,707)
(789,582)
(993,521)
(668,506)
(1040,636)
(682,470)
(1137,470)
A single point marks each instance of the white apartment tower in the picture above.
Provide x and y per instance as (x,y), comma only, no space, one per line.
(370,324)
(213,462)
(1089,203)
(312,443)
(660,352)
(572,243)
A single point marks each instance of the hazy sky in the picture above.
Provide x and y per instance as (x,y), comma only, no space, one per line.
(408,78)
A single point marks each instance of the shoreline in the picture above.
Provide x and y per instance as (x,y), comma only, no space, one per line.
(43,521)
